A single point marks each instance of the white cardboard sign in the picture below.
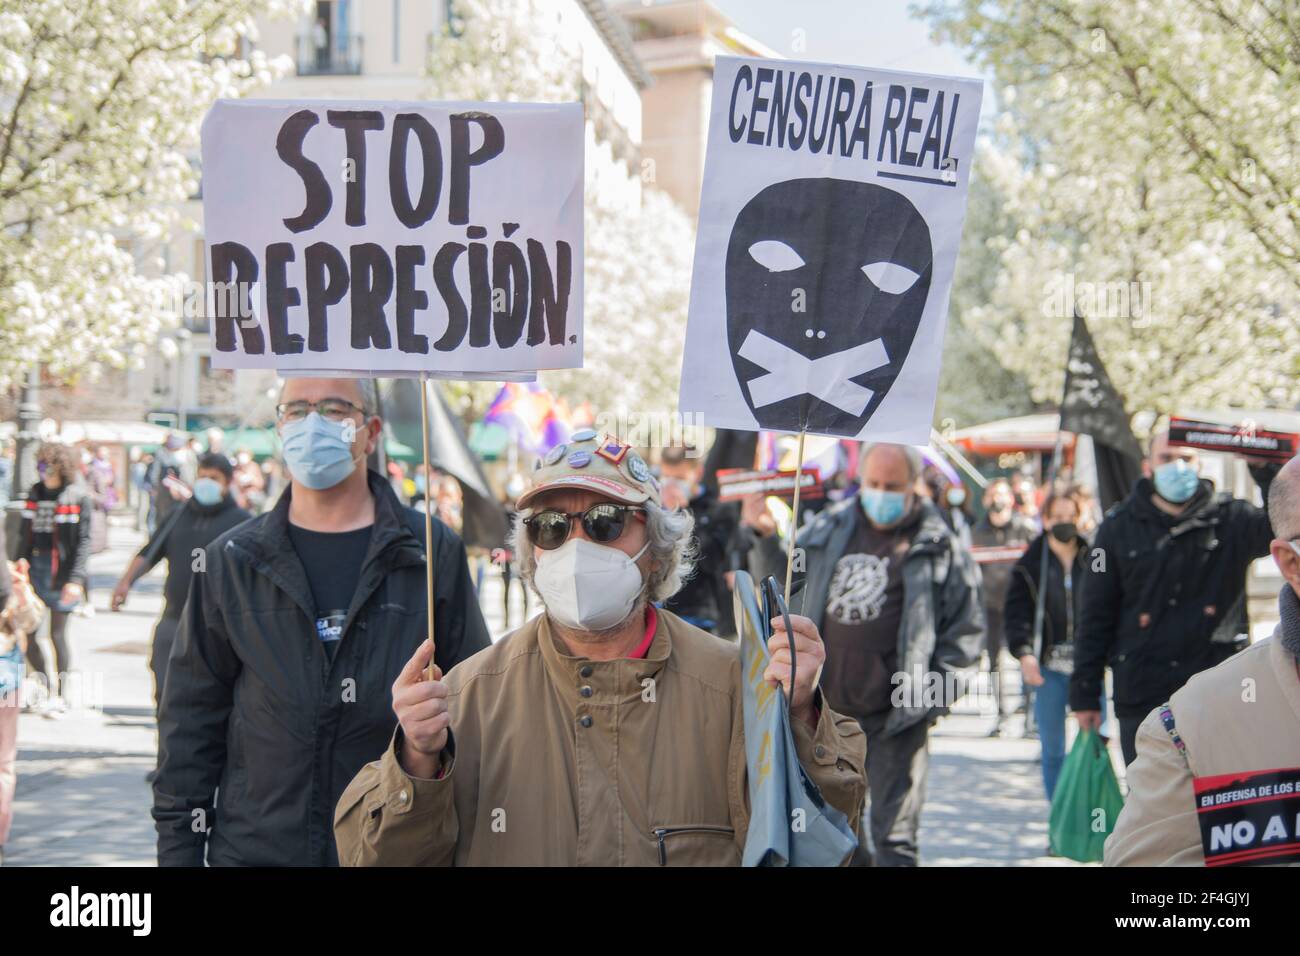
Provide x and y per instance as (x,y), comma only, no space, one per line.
(830,216)
(394,238)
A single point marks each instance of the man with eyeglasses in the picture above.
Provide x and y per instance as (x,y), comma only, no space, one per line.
(605,732)
(296,625)
(1217,775)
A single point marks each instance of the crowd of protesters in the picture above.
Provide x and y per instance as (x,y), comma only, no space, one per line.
(294,679)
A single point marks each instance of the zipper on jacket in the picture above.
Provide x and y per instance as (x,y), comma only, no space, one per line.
(662,832)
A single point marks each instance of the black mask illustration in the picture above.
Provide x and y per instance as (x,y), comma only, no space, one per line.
(826,283)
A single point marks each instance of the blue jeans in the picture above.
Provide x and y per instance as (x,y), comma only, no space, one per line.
(1051,701)
(1051,705)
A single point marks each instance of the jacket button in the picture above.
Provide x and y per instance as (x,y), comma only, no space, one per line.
(402,797)
(585,720)
(821,751)
(586,671)
(585,691)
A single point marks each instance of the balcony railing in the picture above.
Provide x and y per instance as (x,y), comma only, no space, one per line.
(608,129)
(340,56)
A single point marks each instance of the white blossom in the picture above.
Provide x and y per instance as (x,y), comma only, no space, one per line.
(1150,144)
(100,105)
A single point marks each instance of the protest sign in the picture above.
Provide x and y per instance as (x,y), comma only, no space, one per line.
(999,554)
(830,215)
(1249,818)
(394,238)
(736,484)
(1243,439)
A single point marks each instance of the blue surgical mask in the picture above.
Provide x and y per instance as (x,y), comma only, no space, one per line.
(207,491)
(883,507)
(1176,481)
(316,452)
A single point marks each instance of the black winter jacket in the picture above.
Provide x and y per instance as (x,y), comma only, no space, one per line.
(1169,584)
(256,719)
(1060,619)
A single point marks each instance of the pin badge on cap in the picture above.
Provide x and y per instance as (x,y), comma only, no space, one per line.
(638,467)
(612,450)
(583,434)
(555,454)
(579,459)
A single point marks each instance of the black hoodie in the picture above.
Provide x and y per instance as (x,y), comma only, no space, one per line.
(1161,587)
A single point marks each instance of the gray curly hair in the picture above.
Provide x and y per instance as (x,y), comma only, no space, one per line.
(672,550)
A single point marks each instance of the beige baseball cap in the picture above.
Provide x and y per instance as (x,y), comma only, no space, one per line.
(593,462)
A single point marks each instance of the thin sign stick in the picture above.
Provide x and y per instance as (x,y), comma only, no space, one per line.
(794,518)
(431,672)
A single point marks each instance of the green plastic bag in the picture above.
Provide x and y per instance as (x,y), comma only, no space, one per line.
(1086,803)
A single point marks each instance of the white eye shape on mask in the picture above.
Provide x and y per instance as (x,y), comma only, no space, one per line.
(775,256)
(890,277)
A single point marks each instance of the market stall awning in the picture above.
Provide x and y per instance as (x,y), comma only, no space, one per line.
(259,442)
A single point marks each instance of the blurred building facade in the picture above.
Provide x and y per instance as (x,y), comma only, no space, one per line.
(678,41)
(358,50)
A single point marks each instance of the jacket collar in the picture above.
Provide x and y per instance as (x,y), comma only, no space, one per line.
(1201,508)
(927,531)
(1034,550)
(618,681)
(211,511)
(266,542)
(930,533)
(269,539)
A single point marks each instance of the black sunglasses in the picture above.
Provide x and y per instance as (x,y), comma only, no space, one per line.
(601,523)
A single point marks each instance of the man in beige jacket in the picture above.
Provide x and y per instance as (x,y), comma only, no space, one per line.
(603,732)
(1214,766)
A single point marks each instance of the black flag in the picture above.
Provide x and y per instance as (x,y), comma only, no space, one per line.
(484,518)
(1090,405)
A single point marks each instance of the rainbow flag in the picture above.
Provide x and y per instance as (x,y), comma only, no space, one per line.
(531,414)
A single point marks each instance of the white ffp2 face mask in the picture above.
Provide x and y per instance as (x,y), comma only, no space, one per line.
(587,586)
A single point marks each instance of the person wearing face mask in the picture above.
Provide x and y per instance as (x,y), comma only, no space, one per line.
(1218,765)
(704,600)
(896,599)
(208,514)
(954,505)
(277,688)
(1025,495)
(606,731)
(249,485)
(1047,669)
(1169,596)
(55,541)
(998,540)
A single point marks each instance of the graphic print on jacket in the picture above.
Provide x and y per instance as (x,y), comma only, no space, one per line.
(826,284)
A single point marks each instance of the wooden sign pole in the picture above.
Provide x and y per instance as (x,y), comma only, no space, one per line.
(432,672)
(794,518)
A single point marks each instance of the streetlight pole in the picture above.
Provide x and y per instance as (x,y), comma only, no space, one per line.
(182,354)
(28,437)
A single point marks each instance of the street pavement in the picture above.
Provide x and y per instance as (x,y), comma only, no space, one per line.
(82,797)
